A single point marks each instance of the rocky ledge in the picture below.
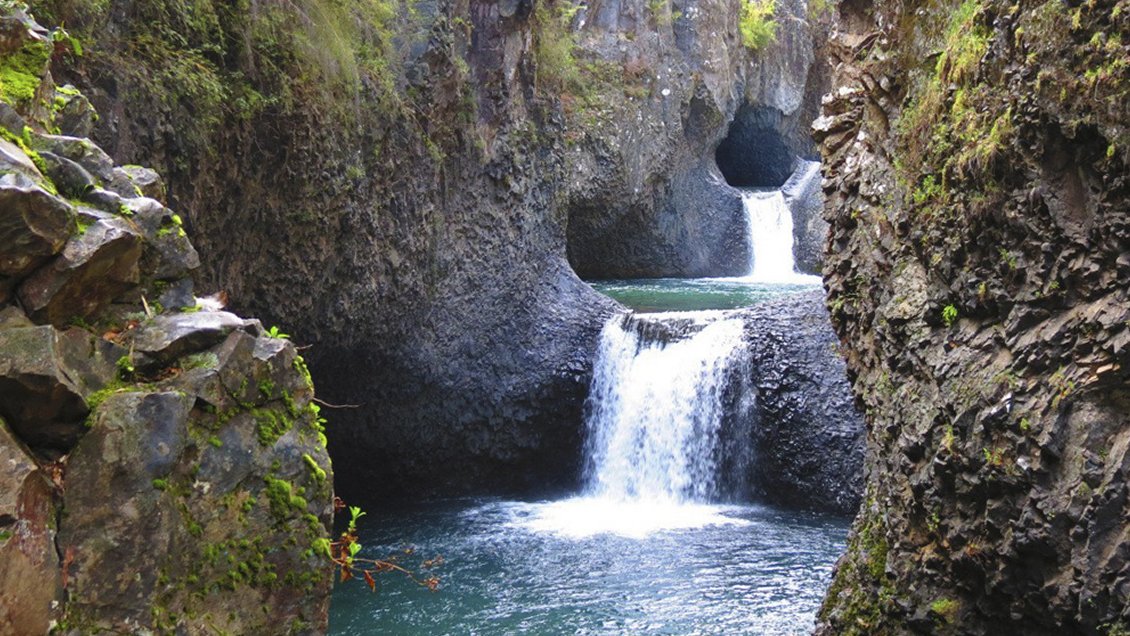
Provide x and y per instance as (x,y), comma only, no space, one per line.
(162,463)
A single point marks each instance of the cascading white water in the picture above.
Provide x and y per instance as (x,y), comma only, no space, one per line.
(769,224)
(657,406)
(665,388)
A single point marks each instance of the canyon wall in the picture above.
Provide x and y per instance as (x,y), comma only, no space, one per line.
(162,462)
(403,185)
(977,272)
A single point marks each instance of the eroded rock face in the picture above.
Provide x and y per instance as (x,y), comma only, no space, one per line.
(162,469)
(977,275)
(808,435)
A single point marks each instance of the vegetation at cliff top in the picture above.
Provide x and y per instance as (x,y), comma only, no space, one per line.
(757,26)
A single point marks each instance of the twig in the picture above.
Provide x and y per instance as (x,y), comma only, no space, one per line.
(336,406)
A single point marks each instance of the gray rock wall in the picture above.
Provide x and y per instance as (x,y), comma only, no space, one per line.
(977,273)
(162,464)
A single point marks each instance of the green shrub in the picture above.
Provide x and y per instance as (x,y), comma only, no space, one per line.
(757,26)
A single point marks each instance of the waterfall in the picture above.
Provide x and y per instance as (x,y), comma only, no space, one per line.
(661,388)
(769,224)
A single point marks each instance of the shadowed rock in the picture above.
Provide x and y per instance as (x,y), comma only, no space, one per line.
(29,579)
(46,376)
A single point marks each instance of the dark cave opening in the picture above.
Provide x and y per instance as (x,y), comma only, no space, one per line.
(756,153)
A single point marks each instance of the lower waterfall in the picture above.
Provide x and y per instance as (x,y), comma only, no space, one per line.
(659,396)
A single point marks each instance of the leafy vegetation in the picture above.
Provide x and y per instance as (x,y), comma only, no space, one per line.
(208,64)
(949,315)
(756,25)
(556,44)
(345,555)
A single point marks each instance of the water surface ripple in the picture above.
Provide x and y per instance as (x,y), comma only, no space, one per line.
(523,568)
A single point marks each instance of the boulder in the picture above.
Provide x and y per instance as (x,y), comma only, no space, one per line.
(169,336)
(69,177)
(118,523)
(79,150)
(177,524)
(168,252)
(14,159)
(147,182)
(46,377)
(74,114)
(34,226)
(95,267)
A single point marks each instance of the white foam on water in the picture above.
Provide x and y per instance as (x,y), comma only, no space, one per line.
(584,517)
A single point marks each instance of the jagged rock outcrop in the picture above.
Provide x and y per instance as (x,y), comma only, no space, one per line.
(808,435)
(162,466)
(978,268)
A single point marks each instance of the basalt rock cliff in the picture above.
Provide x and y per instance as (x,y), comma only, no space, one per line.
(162,463)
(977,269)
(409,187)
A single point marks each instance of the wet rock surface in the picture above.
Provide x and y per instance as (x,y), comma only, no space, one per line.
(977,274)
(808,436)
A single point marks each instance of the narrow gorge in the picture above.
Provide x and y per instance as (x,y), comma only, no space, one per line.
(625,317)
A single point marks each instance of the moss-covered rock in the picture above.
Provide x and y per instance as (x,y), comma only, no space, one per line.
(978,278)
(136,427)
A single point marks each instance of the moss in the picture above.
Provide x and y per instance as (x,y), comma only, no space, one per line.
(555,45)
(24,144)
(285,501)
(270,425)
(203,360)
(946,609)
(316,470)
(21,72)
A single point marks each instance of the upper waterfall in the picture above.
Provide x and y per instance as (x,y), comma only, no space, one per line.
(769,226)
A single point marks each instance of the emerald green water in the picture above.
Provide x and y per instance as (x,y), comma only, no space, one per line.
(578,566)
(691,294)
